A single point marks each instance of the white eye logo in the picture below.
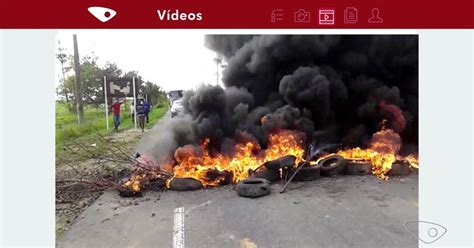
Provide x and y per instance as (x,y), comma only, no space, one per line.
(428,232)
(102,13)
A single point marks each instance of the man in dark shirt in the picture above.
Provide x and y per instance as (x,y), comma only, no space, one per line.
(116,112)
(141,114)
(147,108)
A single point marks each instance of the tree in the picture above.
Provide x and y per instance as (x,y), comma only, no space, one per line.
(138,81)
(92,84)
(153,92)
(111,70)
(63,58)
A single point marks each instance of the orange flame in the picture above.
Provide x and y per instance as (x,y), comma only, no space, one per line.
(146,170)
(412,160)
(135,182)
(382,153)
(197,162)
(215,168)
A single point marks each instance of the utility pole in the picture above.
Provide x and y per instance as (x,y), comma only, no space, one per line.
(78,92)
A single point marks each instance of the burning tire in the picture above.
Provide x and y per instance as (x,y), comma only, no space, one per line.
(399,169)
(357,168)
(307,173)
(332,165)
(253,187)
(184,184)
(265,173)
(224,176)
(283,162)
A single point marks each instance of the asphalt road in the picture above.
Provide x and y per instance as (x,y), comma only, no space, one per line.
(344,211)
(149,139)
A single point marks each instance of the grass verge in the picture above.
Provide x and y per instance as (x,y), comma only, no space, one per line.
(67,129)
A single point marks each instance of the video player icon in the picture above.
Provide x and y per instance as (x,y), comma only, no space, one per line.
(101,13)
(326,16)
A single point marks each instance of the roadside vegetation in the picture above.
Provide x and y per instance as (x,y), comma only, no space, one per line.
(90,158)
(67,129)
(82,173)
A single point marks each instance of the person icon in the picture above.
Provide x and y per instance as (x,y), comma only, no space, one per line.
(375,18)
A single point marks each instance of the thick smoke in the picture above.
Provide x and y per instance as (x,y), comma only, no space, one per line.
(332,88)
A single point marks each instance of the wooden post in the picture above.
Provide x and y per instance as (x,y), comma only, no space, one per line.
(78,92)
(134,103)
(106,103)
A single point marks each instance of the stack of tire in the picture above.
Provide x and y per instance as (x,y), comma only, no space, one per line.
(356,167)
(329,166)
(258,183)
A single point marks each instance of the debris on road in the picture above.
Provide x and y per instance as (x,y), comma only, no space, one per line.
(400,168)
(308,172)
(271,175)
(253,187)
(281,163)
(184,184)
(354,167)
(129,193)
(247,243)
(332,165)
(300,166)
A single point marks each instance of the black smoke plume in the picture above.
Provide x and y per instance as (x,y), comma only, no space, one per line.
(333,88)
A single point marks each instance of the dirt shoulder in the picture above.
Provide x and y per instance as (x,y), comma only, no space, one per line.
(86,168)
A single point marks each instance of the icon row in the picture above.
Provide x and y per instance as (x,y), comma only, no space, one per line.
(326,16)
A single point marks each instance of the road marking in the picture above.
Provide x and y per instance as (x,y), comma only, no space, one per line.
(178,228)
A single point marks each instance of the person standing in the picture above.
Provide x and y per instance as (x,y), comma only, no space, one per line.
(141,114)
(116,112)
(132,112)
(147,108)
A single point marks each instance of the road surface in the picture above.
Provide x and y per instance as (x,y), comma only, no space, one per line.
(149,139)
(344,211)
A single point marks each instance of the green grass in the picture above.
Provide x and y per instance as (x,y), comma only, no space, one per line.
(67,129)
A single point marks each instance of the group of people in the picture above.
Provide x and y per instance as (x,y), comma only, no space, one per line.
(142,110)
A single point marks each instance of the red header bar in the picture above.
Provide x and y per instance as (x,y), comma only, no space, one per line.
(237,14)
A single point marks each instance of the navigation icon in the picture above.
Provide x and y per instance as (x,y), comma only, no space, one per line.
(350,15)
(375,18)
(327,16)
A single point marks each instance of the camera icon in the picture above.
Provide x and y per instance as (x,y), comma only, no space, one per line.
(302,16)
(427,232)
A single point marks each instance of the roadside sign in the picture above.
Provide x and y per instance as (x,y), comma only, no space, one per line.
(119,87)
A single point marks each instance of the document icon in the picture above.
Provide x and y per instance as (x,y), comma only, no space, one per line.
(350,15)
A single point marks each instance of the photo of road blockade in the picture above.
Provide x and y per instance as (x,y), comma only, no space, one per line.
(302,140)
